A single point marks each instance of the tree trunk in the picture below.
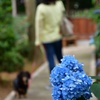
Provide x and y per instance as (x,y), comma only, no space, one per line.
(68,7)
(30,12)
(14,8)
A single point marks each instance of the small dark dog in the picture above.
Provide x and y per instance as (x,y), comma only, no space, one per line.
(20,84)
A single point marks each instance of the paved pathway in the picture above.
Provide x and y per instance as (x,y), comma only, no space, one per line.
(83,52)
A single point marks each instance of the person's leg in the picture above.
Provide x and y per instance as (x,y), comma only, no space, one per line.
(58,50)
(50,55)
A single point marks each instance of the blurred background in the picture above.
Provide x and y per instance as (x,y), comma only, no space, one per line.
(17,35)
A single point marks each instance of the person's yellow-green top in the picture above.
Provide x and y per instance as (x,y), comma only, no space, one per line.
(47,22)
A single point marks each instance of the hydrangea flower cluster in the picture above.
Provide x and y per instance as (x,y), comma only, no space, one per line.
(69,80)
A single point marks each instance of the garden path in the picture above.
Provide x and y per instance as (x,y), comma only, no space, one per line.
(40,79)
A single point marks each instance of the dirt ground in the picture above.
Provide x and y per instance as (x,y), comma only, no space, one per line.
(6,80)
(5,88)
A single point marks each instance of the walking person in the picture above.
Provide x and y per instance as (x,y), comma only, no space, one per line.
(47,24)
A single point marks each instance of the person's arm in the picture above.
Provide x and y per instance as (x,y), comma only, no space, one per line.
(38,25)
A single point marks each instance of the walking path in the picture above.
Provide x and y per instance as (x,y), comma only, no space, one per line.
(40,79)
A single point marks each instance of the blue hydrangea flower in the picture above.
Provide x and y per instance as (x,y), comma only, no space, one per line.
(71,63)
(69,80)
(57,75)
(56,93)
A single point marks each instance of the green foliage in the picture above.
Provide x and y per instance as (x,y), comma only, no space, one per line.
(96,17)
(10,58)
(20,25)
(12,61)
(85,13)
(5,12)
(92,15)
(89,13)
(80,4)
(95,87)
(97,42)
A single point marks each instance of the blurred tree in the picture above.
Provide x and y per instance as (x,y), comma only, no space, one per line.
(30,12)
(36,54)
(10,59)
(81,4)
(97,1)
(78,5)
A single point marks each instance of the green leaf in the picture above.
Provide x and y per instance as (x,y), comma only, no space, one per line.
(95,77)
(95,88)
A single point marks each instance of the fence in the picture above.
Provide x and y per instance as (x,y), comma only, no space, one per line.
(83,27)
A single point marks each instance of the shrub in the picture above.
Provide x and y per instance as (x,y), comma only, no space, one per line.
(10,58)
(97,41)
(20,28)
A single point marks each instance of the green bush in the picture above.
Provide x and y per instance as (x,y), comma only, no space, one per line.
(96,18)
(88,13)
(23,49)
(20,25)
(10,58)
(97,41)
(12,61)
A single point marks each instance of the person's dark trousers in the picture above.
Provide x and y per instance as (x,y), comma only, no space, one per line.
(53,49)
